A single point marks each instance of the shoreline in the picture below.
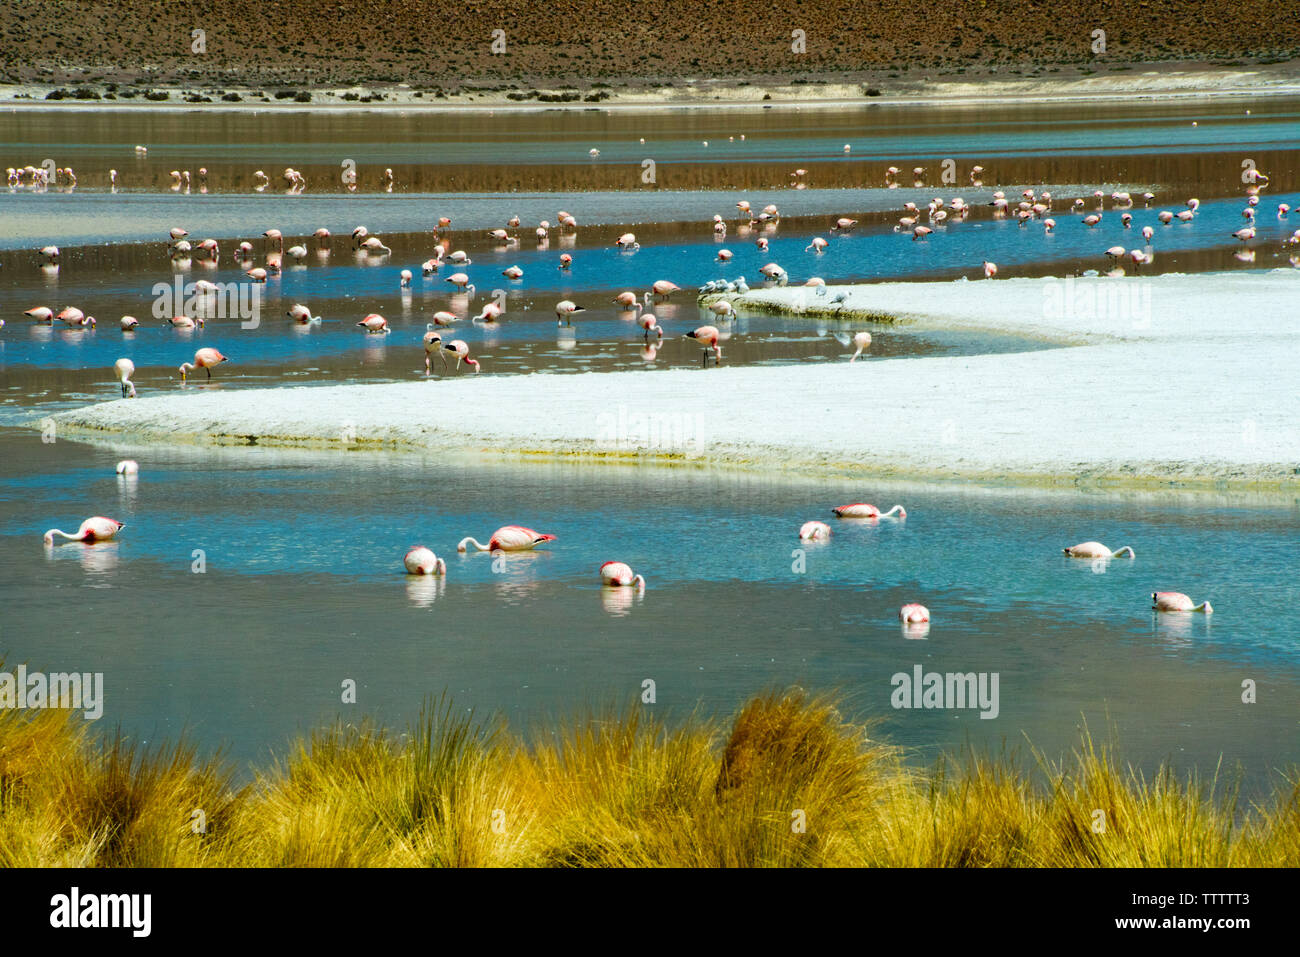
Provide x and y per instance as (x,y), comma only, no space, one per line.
(1219,418)
(1122,83)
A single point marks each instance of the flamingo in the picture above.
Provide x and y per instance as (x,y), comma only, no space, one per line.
(204,359)
(663,288)
(843,224)
(1097,550)
(1147,233)
(256,274)
(920,232)
(128,323)
(564,309)
(94,529)
(513,272)
(445,318)
(41,314)
(73,316)
(627,300)
(565,260)
(300,313)
(723,309)
(422,561)
(461,282)
(374,323)
(724,255)
(990,269)
(460,258)
(430,266)
(863,510)
(128,467)
(507,538)
(913,614)
(459,347)
(432,344)
(124,369)
(1092,219)
(651,324)
(708,335)
(51,253)
(491,312)
(405,279)
(861,341)
(627,241)
(817,245)
(184,322)
(620,574)
(814,532)
(1177,601)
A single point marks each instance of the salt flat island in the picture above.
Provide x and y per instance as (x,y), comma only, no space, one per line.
(1183,380)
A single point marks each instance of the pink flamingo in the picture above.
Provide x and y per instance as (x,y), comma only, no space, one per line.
(620,574)
(861,341)
(461,282)
(374,323)
(184,322)
(708,335)
(73,316)
(564,310)
(204,359)
(507,538)
(627,241)
(863,510)
(445,318)
(1177,601)
(41,314)
(651,324)
(814,532)
(565,260)
(461,349)
(913,614)
(990,269)
(491,312)
(663,288)
(1097,550)
(422,561)
(94,529)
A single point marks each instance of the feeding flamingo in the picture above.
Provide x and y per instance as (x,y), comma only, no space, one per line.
(422,561)
(128,323)
(204,359)
(1177,601)
(124,369)
(861,341)
(461,349)
(651,324)
(94,529)
(709,336)
(913,614)
(432,344)
(508,538)
(627,241)
(864,510)
(564,309)
(300,313)
(1097,550)
(663,288)
(814,532)
(41,314)
(128,467)
(620,574)
(461,282)
(374,323)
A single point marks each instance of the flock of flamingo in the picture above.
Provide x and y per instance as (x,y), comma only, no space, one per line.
(1033,206)
(422,560)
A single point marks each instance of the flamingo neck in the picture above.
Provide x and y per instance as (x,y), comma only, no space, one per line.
(470,540)
(896,510)
(639,582)
(49,536)
(1125,552)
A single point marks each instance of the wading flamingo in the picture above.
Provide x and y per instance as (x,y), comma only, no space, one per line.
(184,322)
(564,309)
(129,323)
(863,510)
(814,532)
(422,561)
(620,574)
(124,369)
(1097,550)
(204,359)
(461,282)
(861,340)
(1177,601)
(627,241)
(94,529)
(300,313)
(128,467)
(663,288)
(507,538)
(461,349)
(651,324)
(432,344)
(913,614)
(374,323)
(990,269)
(491,312)
(41,314)
(708,335)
